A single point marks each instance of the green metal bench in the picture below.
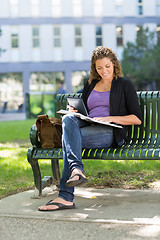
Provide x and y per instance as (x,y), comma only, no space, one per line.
(143,142)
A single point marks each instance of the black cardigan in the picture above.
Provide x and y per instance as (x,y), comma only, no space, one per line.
(123,101)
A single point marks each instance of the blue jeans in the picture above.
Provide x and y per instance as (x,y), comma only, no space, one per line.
(78,134)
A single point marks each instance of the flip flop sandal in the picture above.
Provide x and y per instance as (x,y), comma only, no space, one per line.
(60,207)
(71,183)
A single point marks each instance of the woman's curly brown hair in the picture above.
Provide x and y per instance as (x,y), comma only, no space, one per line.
(102,52)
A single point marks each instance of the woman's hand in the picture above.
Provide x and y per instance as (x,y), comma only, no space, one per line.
(123,120)
(104,119)
(71,109)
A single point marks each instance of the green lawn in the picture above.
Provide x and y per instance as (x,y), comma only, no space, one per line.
(15,130)
(16,173)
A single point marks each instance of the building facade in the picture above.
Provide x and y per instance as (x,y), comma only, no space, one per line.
(46,41)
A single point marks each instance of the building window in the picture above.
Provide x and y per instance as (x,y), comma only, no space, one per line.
(119,7)
(35,37)
(158,33)
(99,37)
(56,8)
(78,36)
(56,36)
(14,8)
(77,8)
(119,36)
(45,82)
(140,7)
(79,79)
(43,86)
(35,8)
(158,7)
(98,8)
(14,37)
(11,91)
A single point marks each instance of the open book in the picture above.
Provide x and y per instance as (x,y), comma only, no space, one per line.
(88,119)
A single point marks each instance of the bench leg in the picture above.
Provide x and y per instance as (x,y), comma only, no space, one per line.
(36,173)
(55,170)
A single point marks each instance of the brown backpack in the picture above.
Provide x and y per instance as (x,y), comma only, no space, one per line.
(49,131)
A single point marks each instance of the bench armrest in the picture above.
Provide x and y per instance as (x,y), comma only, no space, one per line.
(34,136)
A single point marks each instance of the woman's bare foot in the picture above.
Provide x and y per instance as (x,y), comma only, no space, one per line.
(52,207)
(77,171)
(77,179)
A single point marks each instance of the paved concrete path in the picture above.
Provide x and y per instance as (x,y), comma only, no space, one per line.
(109,214)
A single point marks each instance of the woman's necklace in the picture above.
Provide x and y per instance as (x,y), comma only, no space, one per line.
(104,86)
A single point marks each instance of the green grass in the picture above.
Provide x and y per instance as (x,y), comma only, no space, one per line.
(125,174)
(15,130)
(16,173)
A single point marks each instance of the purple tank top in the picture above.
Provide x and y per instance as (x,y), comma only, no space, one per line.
(98,104)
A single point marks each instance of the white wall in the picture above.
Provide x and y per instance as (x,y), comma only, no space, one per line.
(87,8)
(5,42)
(24,8)
(129,8)
(109,36)
(67,42)
(46,42)
(78,54)
(109,9)
(36,55)
(129,33)
(57,54)
(66,8)
(45,8)
(4,9)
(25,43)
(15,55)
(149,7)
(88,40)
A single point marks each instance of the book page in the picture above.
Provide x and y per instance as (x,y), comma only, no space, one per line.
(88,119)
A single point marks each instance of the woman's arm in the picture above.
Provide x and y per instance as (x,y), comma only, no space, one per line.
(122,120)
(125,108)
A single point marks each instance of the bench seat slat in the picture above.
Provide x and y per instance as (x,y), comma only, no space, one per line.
(110,153)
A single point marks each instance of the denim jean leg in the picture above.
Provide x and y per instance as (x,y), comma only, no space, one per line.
(72,141)
(97,136)
(67,193)
(72,153)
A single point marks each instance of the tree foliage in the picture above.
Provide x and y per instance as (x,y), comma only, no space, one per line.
(141,61)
